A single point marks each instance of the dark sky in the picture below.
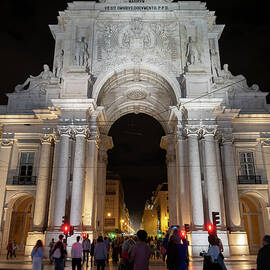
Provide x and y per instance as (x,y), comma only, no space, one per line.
(26,41)
(26,44)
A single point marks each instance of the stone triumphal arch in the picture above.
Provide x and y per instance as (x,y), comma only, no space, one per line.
(116,57)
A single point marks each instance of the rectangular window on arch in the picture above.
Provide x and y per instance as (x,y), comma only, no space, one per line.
(246,163)
(26,166)
(247,174)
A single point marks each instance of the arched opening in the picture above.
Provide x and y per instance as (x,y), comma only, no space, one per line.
(252,221)
(140,164)
(21,213)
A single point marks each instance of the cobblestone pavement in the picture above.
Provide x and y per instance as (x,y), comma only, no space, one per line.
(237,263)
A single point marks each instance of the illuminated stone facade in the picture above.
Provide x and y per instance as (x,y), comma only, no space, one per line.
(155,57)
(116,217)
(156,217)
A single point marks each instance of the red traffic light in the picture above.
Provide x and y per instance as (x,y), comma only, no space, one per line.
(84,235)
(183,234)
(210,228)
(65,228)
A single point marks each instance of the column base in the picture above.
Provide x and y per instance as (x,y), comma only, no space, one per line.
(238,243)
(31,240)
(199,242)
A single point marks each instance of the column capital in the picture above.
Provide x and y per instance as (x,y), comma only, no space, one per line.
(7,142)
(265,142)
(64,130)
(227,138)
(47,135)
(80,130)
(7,139)
(207,130)
(193,130)
(46,138)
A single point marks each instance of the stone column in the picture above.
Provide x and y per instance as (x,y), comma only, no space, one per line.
(238,241)
(42,183)
(183,193)
(91,175)
(78,177)
(62,177)
(104,146)
(231,185)
(211,178)
(195,178)
(54,179)
(5,154)
(220,180)
(168,143)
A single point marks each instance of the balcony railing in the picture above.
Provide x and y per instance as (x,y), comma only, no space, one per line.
(249,179)
(24,180)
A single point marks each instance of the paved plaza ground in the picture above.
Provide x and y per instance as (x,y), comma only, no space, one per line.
(232,263)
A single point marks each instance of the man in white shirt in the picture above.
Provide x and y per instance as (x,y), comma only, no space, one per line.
(76,254)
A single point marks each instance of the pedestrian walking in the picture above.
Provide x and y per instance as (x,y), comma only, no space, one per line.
(92,252)
(9,250)
(37,255)
(76,254)
(58,254)
(141,252)
(86,246)
(65,251)
(115,250)
(177,252)
(107,244)
(51,246)
(126,252)
(14,248)
(263,257)
(100,253)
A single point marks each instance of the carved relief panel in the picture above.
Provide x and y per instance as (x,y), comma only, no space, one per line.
(136,41)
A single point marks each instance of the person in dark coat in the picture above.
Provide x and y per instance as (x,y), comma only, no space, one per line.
(263,258)
(176,252)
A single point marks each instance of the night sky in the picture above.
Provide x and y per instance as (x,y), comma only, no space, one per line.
(27,44)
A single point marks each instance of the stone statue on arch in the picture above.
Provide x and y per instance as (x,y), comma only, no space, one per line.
(81,53)
(34,81)
(193,55)
(58,65)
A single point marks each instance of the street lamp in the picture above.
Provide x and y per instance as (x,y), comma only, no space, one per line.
(109,214)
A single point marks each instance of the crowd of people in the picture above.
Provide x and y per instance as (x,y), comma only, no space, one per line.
(135,252)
